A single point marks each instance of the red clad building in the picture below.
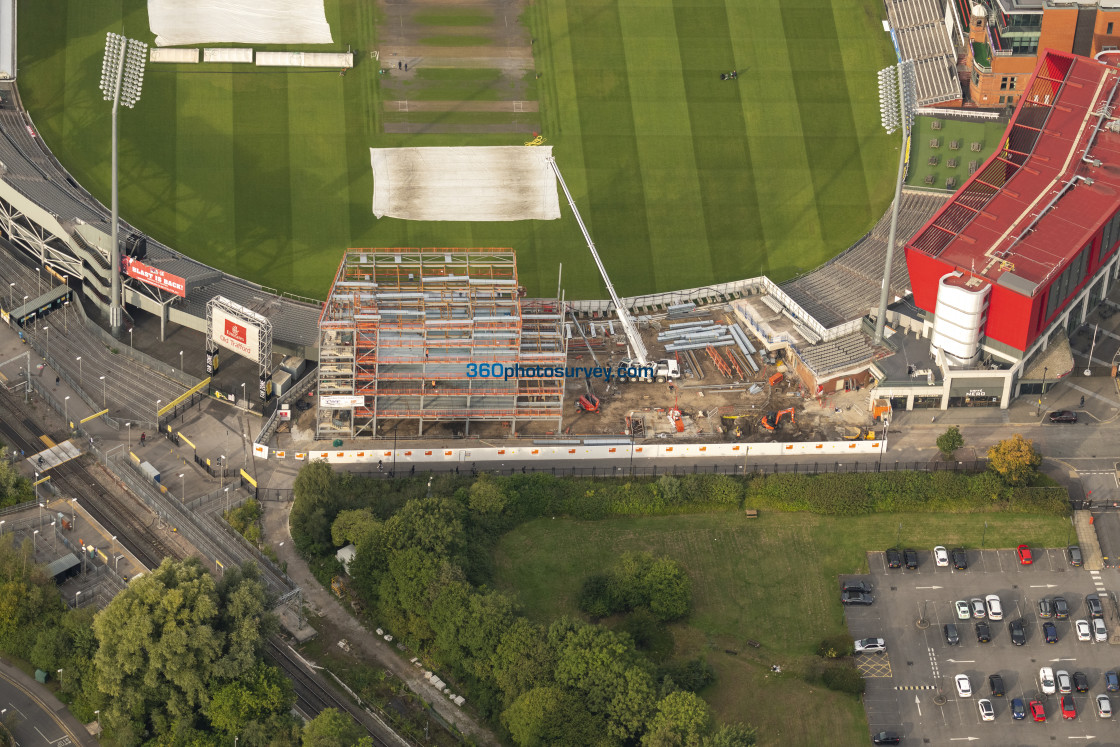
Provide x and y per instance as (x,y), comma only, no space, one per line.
(1028,243)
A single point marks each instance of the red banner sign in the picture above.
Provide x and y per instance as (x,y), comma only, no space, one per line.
(155,277)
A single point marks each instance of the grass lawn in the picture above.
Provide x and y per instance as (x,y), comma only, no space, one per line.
(745,573)
(683,179)
(988,134)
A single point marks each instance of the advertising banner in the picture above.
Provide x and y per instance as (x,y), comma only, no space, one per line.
(155,277)
(340,401)
(239,335)
(265,391)
(212,362)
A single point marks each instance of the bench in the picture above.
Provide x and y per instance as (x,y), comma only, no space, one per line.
(751,513)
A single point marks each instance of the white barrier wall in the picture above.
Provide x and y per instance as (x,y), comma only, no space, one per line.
(227,54)
(305,59)
(174,54)
(818,449)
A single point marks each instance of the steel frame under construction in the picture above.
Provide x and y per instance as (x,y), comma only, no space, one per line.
(414,335)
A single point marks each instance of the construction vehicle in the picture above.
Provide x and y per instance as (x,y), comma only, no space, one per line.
(588,403)
(771,420)
(666,369)
(338,586)
(776,379)
(855,433)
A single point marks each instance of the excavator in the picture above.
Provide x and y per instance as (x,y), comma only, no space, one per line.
(771,420)
(588,403)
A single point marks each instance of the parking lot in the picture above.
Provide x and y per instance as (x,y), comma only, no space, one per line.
(910,688)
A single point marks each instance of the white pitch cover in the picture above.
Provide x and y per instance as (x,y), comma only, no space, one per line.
(236,334)
(190,22)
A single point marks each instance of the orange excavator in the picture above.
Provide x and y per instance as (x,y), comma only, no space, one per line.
(771,420)
(588,403)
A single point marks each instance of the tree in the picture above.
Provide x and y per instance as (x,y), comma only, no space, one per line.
(524,660)
(358,526)
(333,728)
(313,489)
(551,716)
(1015,460)
(732,735)
(487,496)
(683,719)
(596,596)
(668,588)
(949,441)
(257,704)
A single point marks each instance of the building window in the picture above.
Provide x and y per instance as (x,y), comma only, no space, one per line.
(975,78)
(1066,283)
(1109,29)
(1013,81)
(1110,236)
(1003,83)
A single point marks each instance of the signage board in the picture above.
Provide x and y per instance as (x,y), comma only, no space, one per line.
(239,335)
(341,401)
(155,277)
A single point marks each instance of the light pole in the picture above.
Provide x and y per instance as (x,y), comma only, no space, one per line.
(60,671)
(129,426)
(183,483)
(35,539)
(1,527)
(66,409)
(130,339)
(158,403)
(1092,349)
(222,467)
(104,399)
(11,298)
(180,360)
(39,274)
(97,716)
(80,382)
(48,331)
(897,101)
(1038,407)
(122,78)
(243,397)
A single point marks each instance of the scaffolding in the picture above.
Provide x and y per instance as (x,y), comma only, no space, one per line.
(436,336)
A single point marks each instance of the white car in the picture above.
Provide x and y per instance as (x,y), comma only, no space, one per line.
(941,557)
(964,612)
(995,609)
(1065,684)
(978,608)
(870,646)
(1046,681)
(1104,706)
(987,713)
(964,687)
(1083,632)
(1100,632)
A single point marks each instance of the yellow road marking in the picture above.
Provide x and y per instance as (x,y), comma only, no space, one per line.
(46,439)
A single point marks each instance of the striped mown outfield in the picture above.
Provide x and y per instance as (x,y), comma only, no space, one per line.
(683,179)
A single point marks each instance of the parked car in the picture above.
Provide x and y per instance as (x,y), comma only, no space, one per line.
(964,687)
(1018,709)
(1018,631)
(1063,416)
(1080,682)
(870,646)
(1038,711)
(1104,706)
(864,586)
(964,611)
(1093,603)
(1069,708)
(911,557)
(952,637)
(886,737)
(1111,681)
(1045,608)
(1084,633)
(1100,632)
(995,682)
(995,609)
(983,632)
(1061,608)
(1046,681)
(1065,682)
(1050,632)
(987,712)
(894,558)
(1024,553)
(960,558)
(978,610)
(1074,553)
(856,597)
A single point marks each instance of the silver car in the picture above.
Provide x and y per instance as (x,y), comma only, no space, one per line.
(978,610)
(1100,632)
(870,646)
(1104,706)
(1065,684)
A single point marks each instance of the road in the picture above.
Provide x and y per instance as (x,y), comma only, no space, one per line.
(34,716)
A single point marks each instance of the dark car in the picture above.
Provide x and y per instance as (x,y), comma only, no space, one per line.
(886,737)
(1045,608)
(863,586)
(1080,682)
(1063,416)
(1074,553)
(1061,608)
(952,637)
(894,558)
(1018,632)
(1111,681)
(959,558)
(1018,709)
(911,559)
(1069,709)
(1093,602)
(996,683)
(1050,632)
(983,632)
(855,597)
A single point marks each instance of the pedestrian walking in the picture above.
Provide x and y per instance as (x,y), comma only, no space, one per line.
(379,466)
(143,438)
(1082,400)
(406,67)
(398,64)
(56,380)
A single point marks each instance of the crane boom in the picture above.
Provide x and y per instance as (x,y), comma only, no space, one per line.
(637,347)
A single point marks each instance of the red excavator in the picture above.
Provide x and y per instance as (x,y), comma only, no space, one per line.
(771,420)
(588,403)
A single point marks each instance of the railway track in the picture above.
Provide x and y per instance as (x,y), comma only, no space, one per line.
(74,478)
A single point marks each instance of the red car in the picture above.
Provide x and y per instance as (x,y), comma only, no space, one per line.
(1024,553)
(1069,708)
(1038,711)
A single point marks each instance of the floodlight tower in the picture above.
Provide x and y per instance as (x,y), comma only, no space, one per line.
(122,77)
(897,102)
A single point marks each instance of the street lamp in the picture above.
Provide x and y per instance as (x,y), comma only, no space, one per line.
(158,403)
(129,426)
(1,527)
(180,360)
(1092,349)
(122,77)
(11,298)
(104,399)
(66,409)
(39,274)
(243,397)
(60,671)
(1038,407)
(222,466)
(35,539)
(97,716)
(183,482)
(79,360)
(48,331)
(130,339)
(897,101)
(227,501)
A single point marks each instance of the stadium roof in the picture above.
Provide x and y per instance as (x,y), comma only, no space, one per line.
(1035,203)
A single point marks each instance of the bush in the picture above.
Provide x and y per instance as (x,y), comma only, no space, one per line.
(835,646)
(692,675)
(650,635)
(843,677)
(596,599)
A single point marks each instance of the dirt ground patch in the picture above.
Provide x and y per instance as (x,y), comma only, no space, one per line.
(461,106)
